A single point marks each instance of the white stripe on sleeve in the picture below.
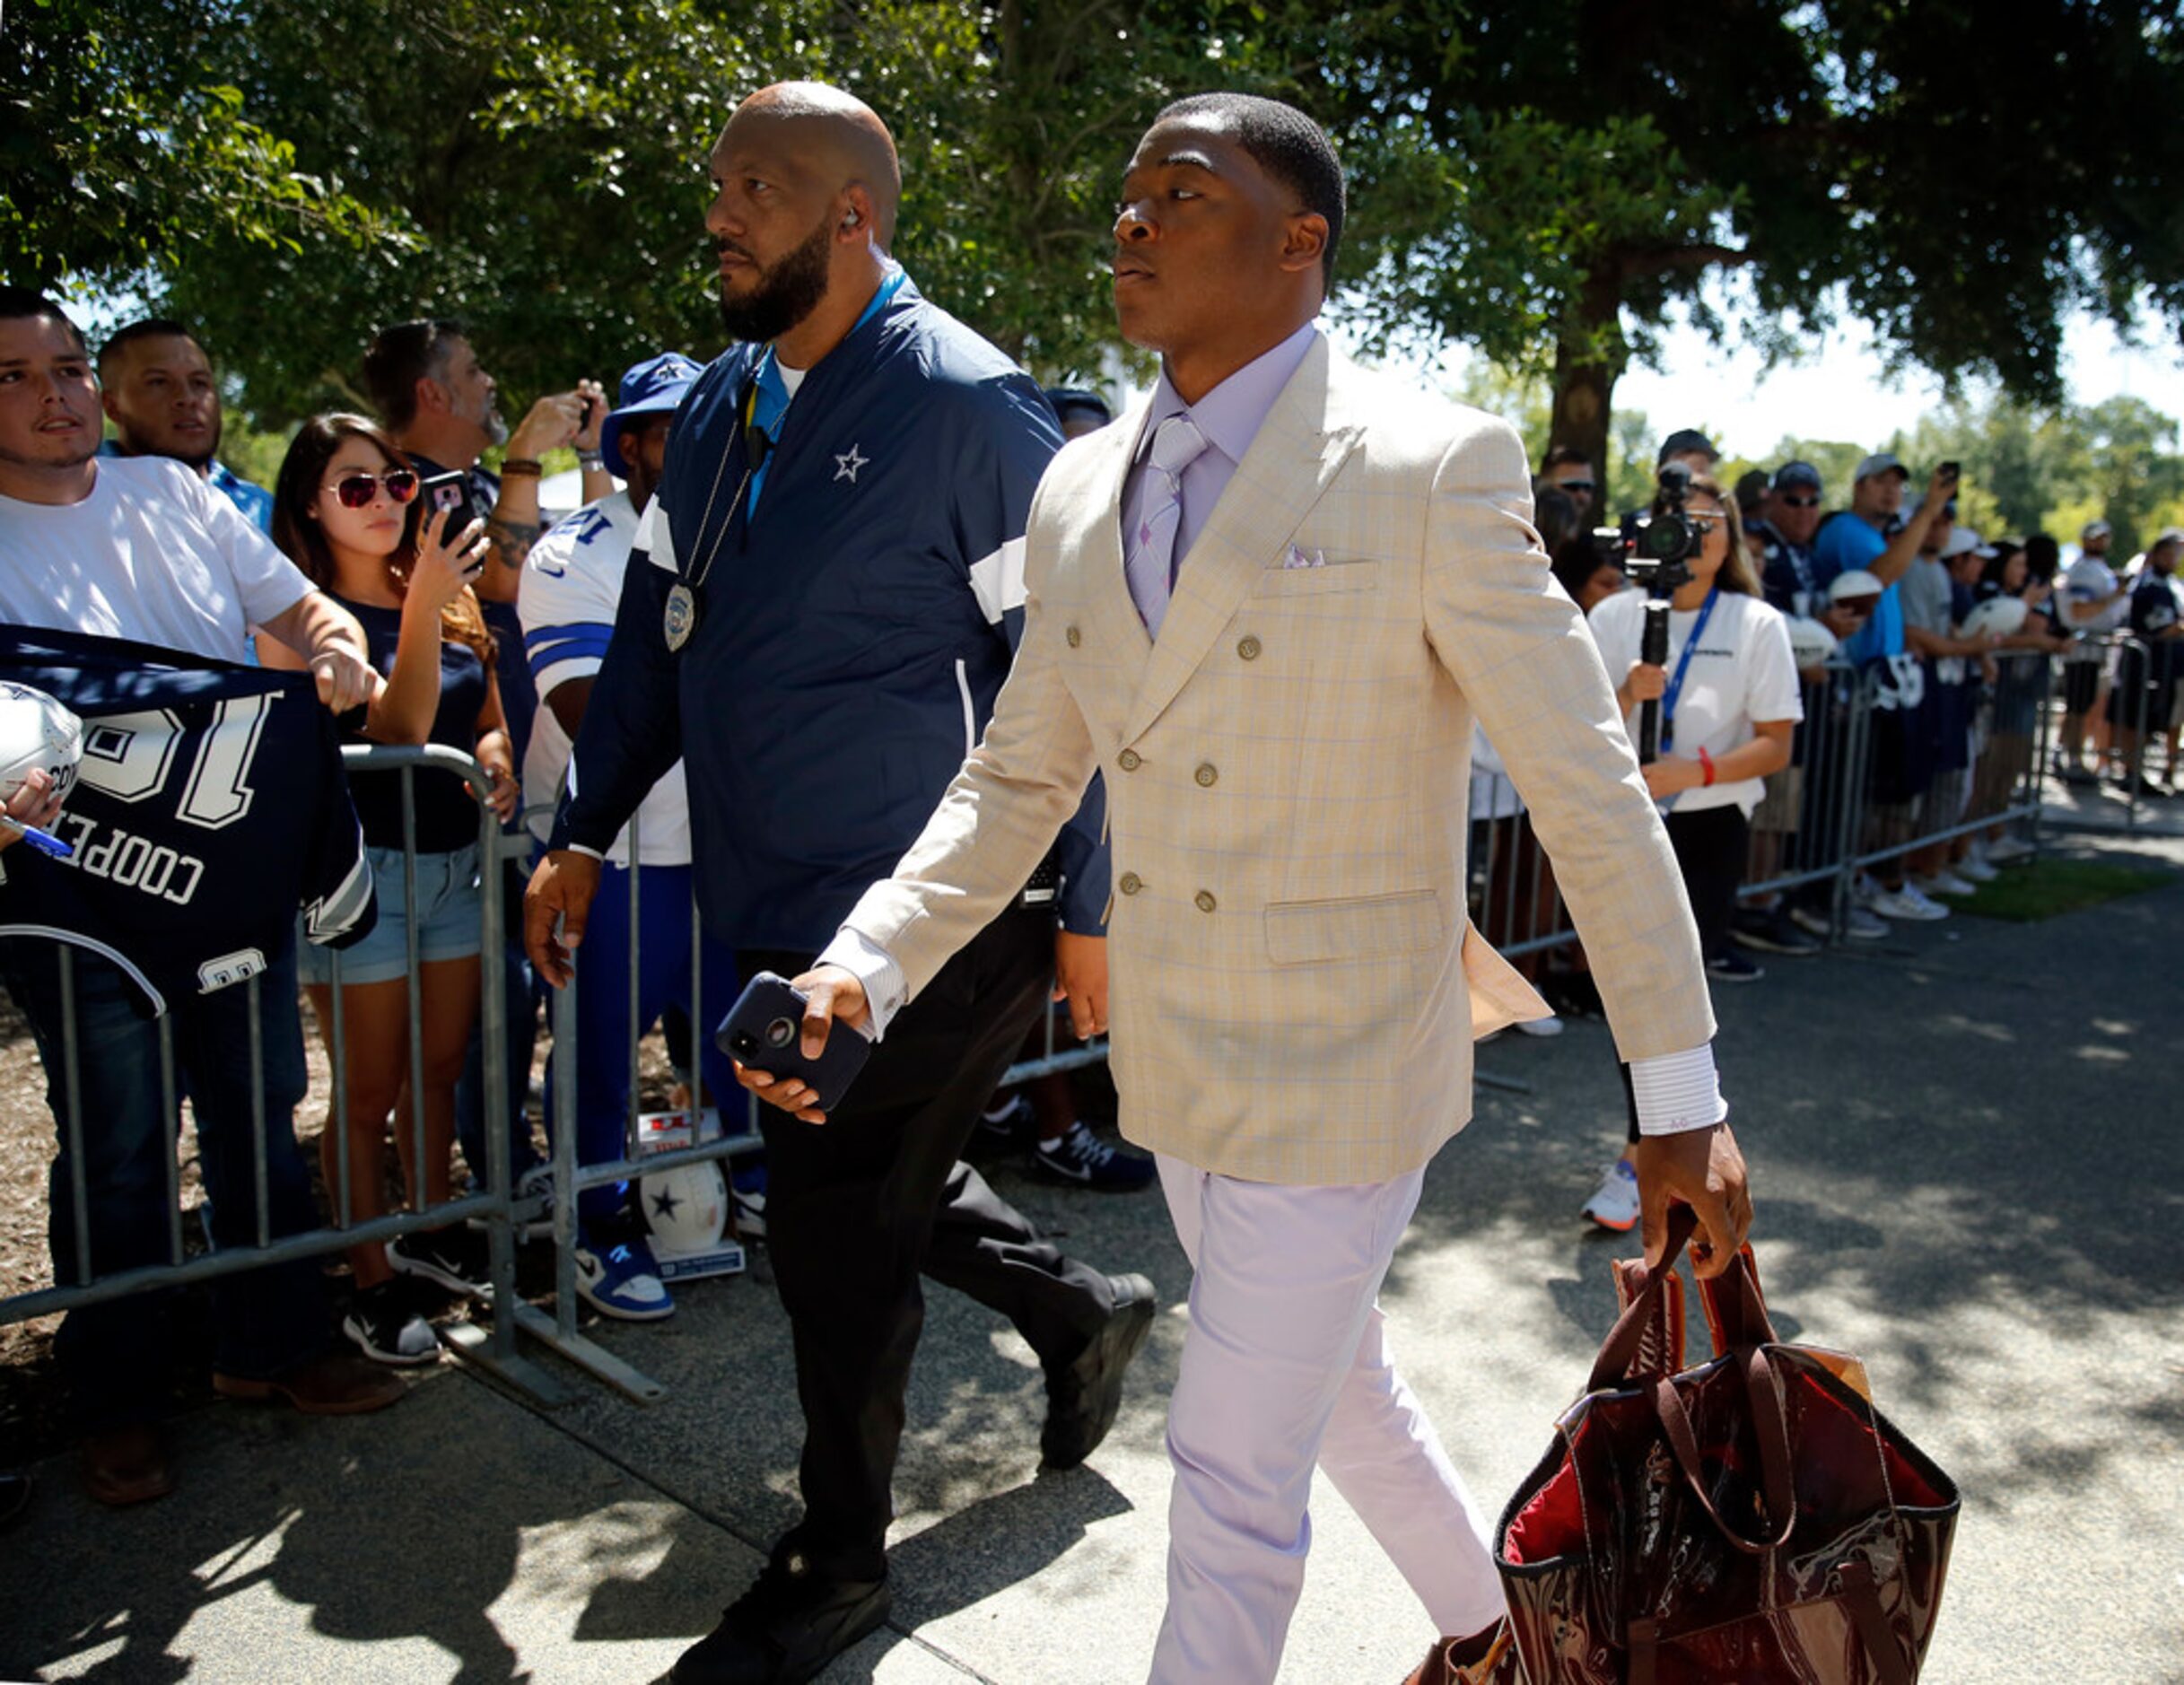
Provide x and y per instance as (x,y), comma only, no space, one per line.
(655,538)
(998,580)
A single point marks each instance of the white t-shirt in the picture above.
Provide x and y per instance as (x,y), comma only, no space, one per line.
(153,553)
(571,585)
(2086,581)
(1743,671)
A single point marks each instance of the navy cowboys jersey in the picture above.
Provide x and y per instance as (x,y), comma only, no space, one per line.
(210,804)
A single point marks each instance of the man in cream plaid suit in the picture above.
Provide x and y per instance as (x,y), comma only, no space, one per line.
(1268,606)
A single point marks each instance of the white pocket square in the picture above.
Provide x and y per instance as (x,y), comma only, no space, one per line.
(1298,559)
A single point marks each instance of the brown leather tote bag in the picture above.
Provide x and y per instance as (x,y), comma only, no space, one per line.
(1753,1520)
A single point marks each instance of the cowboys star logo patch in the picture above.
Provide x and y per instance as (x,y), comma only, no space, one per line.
(847,464)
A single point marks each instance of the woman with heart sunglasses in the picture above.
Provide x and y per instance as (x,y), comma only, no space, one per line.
(346,511)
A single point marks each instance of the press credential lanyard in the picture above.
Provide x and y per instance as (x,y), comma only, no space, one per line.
(1683,664)
(681,617)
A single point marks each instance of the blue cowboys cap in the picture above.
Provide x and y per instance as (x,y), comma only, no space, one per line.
(652,388)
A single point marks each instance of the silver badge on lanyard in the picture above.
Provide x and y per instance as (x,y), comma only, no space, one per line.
(682,617)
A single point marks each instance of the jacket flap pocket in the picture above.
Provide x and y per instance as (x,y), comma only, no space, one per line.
(1316,932)
(1310,582)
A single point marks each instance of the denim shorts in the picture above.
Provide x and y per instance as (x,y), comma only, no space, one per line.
(446,919)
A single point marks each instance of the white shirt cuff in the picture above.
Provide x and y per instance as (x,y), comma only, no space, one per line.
(1676,1092)
(577,848)
(885,992)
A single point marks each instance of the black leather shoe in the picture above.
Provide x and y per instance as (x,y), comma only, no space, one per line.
(788,1626)
(1083,1395)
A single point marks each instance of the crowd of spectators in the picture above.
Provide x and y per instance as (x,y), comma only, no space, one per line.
(1951,643)
(451,609)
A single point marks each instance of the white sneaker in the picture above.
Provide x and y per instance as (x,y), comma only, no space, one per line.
(1614,1203)
(1974,868)
(1944,882)
(1907,903)
(1863,924)
(1546,1026)
(2008,849)
(1865,890)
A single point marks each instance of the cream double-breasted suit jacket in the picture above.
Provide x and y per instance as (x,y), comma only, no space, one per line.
(1294,983)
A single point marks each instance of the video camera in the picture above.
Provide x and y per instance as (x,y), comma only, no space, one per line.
(1655,548)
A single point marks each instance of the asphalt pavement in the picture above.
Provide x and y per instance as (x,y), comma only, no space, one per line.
(1967,1150)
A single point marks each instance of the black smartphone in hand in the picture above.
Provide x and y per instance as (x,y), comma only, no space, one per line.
(445,498)
(764,1030)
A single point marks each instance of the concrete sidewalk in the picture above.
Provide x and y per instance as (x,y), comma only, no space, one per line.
(1966,1148)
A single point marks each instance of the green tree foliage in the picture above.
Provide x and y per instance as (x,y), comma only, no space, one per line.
(539,170)
(123,149)
(1548,181)
(1586,165)
(2052,468)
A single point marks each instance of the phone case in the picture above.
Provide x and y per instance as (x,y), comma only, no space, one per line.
(753,1033)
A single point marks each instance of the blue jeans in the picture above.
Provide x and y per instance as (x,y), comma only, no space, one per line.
(117,1354)
(603,1014)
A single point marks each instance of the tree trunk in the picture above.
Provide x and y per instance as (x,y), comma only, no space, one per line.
(1584,380)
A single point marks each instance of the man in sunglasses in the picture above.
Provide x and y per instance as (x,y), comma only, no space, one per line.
(1567,470)
(1789,515)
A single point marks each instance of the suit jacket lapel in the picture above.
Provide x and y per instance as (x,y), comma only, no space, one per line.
(1298,449)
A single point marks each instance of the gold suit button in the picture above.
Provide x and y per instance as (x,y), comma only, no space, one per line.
(1205,900)
(1130,883)
(1074,637)
(1206,776)
(1128,760)
(1249,649)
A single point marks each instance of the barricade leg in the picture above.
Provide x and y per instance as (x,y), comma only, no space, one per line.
(558,1331)
(495,1352)
(104,1186)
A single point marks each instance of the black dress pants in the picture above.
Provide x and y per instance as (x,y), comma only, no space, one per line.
(858,1206)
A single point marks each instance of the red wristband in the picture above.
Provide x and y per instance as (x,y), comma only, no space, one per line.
(1705,765)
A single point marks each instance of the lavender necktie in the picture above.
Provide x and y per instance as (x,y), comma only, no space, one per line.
(1150,567)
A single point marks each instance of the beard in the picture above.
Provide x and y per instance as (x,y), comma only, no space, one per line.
(787,292)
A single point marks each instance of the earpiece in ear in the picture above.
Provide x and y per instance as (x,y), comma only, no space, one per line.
(851,219)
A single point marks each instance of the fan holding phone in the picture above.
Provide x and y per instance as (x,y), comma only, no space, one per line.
(349,511)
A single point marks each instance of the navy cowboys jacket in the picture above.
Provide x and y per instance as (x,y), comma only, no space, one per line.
(210,804)
(851,637)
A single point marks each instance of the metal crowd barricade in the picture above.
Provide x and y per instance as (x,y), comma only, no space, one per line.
(1516,909)
(2139,676)
(1512,897)
(180,1270)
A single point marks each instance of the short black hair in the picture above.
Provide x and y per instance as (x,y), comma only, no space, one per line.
(1286,144)
(150,327)
(400,356)
(1562,456)
(19,304)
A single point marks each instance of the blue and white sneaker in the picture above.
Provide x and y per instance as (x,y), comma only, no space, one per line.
(1081,1158)
(623,1282)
